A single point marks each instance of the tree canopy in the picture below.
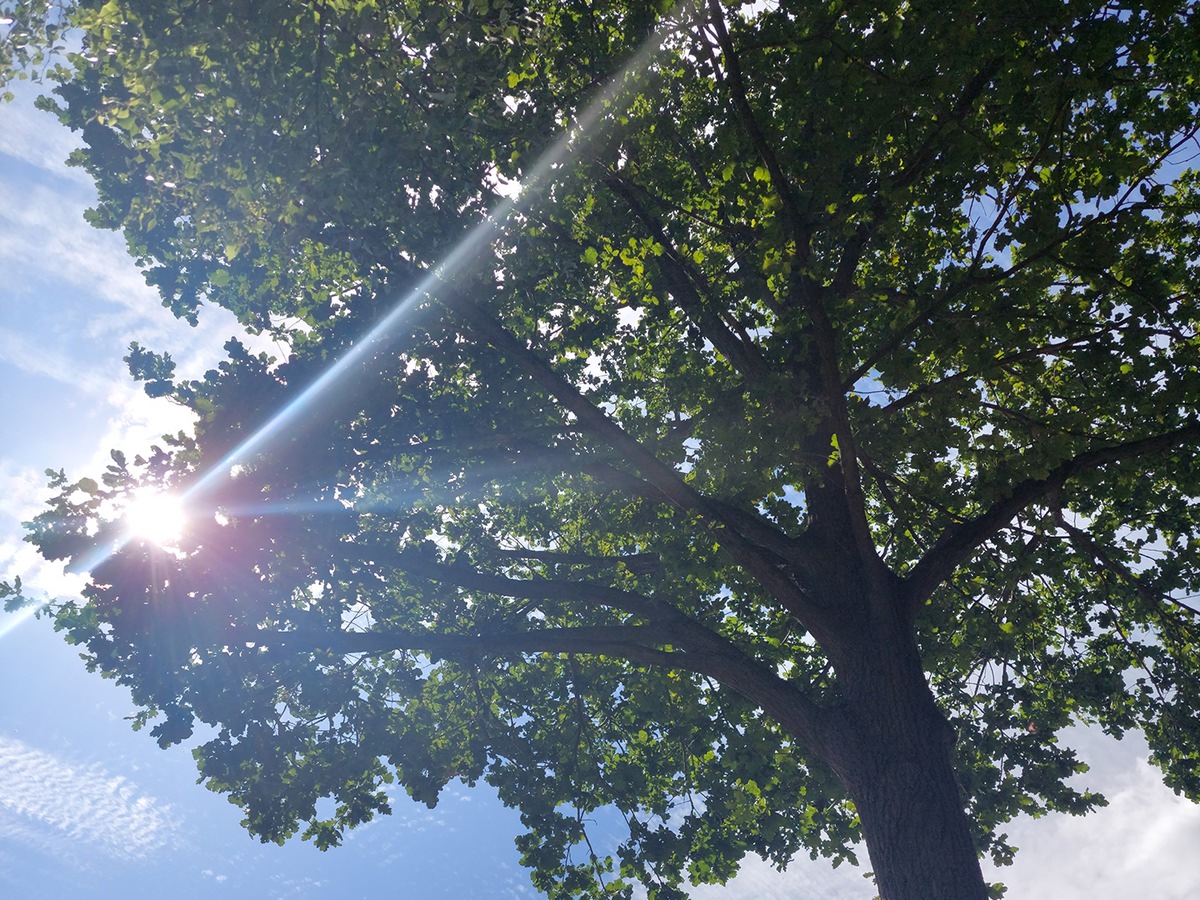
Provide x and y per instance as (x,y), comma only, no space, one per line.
(772,423)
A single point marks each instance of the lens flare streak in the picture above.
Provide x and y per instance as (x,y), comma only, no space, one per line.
(553,164)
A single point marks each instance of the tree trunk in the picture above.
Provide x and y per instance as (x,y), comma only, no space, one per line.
(918,835)
(895,756)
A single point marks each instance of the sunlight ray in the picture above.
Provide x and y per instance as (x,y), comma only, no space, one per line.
(468,250)
(554,162)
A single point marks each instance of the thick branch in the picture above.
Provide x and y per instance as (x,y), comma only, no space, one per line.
(548,589)
(635,562)
(783,701)
(639,643)
(853,504)
(959,542)
(742,539)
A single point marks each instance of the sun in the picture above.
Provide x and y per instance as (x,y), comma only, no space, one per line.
(156,517)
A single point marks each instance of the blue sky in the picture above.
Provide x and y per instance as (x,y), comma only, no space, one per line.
(90,809)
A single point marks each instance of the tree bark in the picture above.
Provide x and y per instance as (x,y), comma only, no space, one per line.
(917,832)
(896,757)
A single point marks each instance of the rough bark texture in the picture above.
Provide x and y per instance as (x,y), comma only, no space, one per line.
(917,833)
(899,769)
(895,754)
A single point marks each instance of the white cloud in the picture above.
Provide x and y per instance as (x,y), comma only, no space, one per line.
(35,137)
(38,576)
(137,421)
(73,810)
(18,351)
(1143,844)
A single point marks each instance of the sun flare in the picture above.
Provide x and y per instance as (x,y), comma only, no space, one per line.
(155,517)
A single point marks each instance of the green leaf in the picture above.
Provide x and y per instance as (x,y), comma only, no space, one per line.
(895,436)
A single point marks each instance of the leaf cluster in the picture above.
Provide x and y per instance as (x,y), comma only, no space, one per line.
(810,294)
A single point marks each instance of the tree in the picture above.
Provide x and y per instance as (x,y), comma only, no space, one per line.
(811,440)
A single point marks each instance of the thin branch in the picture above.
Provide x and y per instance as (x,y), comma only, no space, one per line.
(938,301)
(736,82)
(853,249)
(689,287)
(925,154)
(1104,218)
(1009,195)
(1089,545)
(972,278)
(920,392)
(959,542)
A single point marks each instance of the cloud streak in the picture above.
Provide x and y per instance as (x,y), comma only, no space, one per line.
(59,808)
(45,362)
(34,137)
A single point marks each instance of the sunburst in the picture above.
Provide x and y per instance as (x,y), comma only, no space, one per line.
(155,516)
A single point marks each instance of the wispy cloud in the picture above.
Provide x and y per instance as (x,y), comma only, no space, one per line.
(54,260)
(44,233)
(73,811)
(34,137)
(22,490)
(22,495)
(46,362)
